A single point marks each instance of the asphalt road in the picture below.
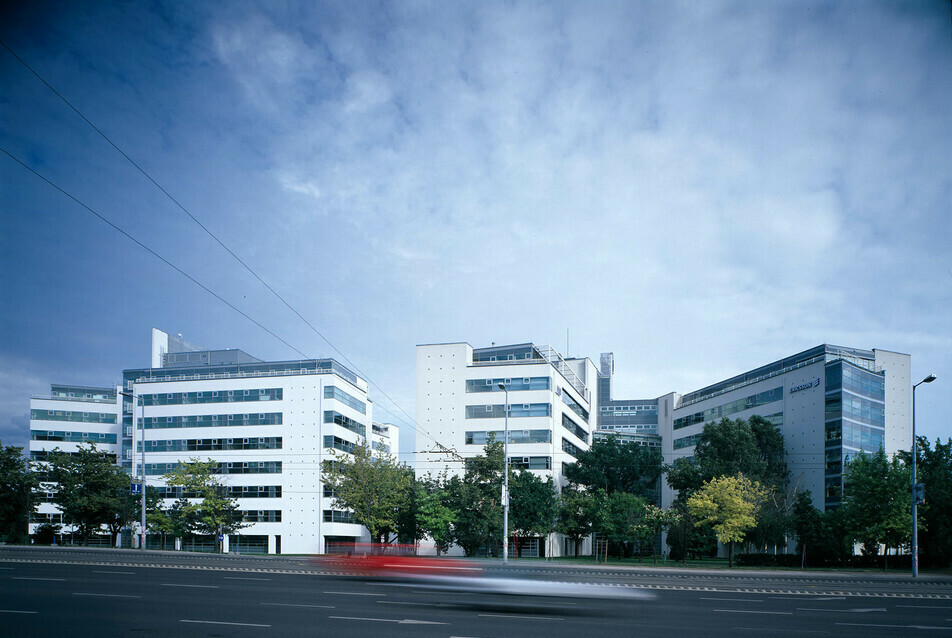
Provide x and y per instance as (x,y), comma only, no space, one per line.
(70,592)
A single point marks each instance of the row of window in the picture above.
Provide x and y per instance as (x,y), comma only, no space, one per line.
(330,416)
(530,462)
(381,447)
(42,455)
(512,384)
(629,408)
(333,392)
(72,437)
(516,410)
(73,417)
(727,409)
(481,437)
(52,519)
(337,516)
(261,516)
(233,491)
(574,405)
(238,467)
(339,444)
(208,445)
(213,420)
(213,396)
(860,437)
(687,441)
(574,428)
(569,448)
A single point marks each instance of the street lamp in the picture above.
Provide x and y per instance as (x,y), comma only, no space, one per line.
(915,504)
(137,399)
(505,483)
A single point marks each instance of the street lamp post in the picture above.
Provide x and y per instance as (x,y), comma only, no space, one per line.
(505,482)
(915,504)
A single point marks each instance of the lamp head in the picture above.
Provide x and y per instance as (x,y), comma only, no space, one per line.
(502,386)
(929,379)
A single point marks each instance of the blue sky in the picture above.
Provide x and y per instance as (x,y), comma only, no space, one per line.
(700,188)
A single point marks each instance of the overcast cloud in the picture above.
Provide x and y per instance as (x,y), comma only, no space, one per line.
(698,187)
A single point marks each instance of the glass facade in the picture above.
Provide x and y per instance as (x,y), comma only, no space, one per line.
(330,416)
(333,392)
(574,428)
(73,417)
(209,445)
(238,467)
(211,396)
(732,407)
(72,437)
(530,462)
(570,448)
(855,421)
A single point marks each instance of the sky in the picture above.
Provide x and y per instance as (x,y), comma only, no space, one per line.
(700,188)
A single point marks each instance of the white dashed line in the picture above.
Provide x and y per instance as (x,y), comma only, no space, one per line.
(79,593)
(217,622)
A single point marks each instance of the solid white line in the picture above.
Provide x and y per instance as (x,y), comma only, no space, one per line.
(857,624)
(79,593)
(774,630)
(96,571)
(181,585)
(32,578)
(734,600)
(243,578)
(293,605)
(216,622)
(521,617)
(925,606)
(352,593)
(745,611)
(10,568)
(16,611)
(395,602)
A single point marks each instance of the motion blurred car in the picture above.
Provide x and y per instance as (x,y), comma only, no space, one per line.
(395,561)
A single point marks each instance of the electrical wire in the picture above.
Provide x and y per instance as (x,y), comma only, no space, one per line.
(412,422)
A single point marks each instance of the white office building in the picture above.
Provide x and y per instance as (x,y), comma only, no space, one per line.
(268,425)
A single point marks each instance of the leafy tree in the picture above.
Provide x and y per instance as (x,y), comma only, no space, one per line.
(877,501)
(615,466)
(217,513)
(476,500)
(730,505)
(685,538)
(623,520)
(433,516)
(576,512)
(531,507)
(91,491)
(806,523)
(16,488)
(934,470)
(372,485)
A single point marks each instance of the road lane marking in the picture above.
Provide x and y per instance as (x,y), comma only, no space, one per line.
(243,578)
(16,611)
(80,593)
(36,578)
(293,605)
(748,611)
(98,571)
(925,606)
(844,611)
(352,593)
(396,602)
(198,586)
(405,621)
(520,617)
(773,630)
(733,600)
(856,624)
(218,622)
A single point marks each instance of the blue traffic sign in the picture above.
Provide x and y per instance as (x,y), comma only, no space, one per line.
(135,488)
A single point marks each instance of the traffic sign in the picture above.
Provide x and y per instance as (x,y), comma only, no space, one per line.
(135,488)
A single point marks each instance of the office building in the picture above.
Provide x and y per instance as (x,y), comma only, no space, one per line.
(267,425)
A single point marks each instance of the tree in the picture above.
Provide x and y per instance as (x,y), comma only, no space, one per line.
(16,488)
(806,523)
(623,520)
(729,504)
(877,501)
(615,466)
(91,490)
(373,486)
(476,500)
(576,514)
(433,516)
(934,470)
(531,507)
(217,513)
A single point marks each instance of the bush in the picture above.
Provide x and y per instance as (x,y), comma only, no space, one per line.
(45,534)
